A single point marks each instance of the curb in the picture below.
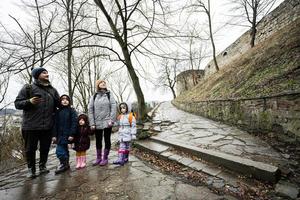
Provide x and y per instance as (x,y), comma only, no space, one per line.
(258,170)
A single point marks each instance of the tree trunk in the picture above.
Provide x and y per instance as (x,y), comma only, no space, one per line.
(253,24)
(136,85)
(252,35)
(253,27)
(173,92)
(211,37)
(70,17)
(69,60)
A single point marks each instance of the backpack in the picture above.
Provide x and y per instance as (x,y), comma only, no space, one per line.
(108,96)
(131,115)
(28,88)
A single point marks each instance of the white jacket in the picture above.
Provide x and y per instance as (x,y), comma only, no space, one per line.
(126,131)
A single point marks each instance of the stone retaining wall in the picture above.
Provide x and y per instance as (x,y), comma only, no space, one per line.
(279,114)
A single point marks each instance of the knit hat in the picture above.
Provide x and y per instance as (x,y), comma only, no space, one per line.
(37,71)
(85,118)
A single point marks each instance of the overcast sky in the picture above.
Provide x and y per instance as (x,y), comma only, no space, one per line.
(223,38)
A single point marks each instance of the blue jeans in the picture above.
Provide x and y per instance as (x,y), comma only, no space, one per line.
(62,152)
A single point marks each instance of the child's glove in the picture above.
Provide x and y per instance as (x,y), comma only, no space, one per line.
(133,137)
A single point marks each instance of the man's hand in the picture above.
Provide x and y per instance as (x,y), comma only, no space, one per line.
(35,100)
(70,138)
(93,127)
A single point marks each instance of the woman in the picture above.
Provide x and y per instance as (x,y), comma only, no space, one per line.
(102,114)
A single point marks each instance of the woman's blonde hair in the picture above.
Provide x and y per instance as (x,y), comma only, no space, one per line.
(98,83)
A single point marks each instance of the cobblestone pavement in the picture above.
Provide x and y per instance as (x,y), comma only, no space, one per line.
(180,126)
(135,180)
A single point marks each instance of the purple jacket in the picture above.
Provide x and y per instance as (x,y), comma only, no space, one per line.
(82,139)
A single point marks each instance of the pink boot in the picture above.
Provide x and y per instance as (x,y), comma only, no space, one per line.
(78,162)
(83,162)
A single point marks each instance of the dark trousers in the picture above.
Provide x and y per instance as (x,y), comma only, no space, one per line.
(99,136)
(32,138)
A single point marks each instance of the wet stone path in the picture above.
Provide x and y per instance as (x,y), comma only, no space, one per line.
(135,180)
(174,124)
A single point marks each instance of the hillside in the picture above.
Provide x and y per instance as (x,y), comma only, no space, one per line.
(270,68)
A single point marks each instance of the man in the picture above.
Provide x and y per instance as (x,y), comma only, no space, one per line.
(38,102)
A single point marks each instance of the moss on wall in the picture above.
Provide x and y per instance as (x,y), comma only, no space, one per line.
(280,114)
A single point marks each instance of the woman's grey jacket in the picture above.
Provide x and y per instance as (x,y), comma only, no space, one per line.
(102,110)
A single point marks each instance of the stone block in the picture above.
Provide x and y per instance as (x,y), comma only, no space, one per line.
(152,146)
(287,189)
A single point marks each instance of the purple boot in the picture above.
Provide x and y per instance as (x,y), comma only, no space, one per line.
(98,159)
(126,156)
(104,160)
(120,160)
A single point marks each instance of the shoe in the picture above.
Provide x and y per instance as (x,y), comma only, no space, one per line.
(126,156)
(83,162)
(104,160)
(64,166)
(78,162)
(31,173)
(120,160)
(43,170)
(98,159)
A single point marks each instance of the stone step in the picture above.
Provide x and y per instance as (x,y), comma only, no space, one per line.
(219,176)
(258,170)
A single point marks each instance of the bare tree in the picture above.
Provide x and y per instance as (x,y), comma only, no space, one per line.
(87,68)
(205,7)
(253,11)
(118,15)
(4,80)
(29,46)
(120,86)
(168,73)
(72,15)
(196,55)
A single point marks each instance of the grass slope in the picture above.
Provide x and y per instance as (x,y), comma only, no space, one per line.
(270,68)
